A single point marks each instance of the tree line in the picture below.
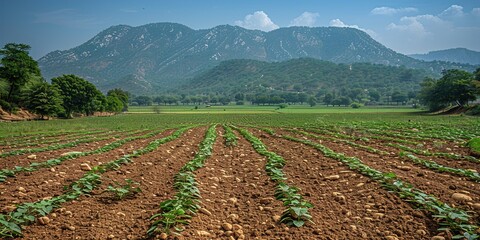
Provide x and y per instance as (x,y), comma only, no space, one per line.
(22,86)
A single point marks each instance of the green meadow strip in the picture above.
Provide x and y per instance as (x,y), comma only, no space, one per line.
(296,212)
(177,211)
(474,176)
(450,219)
(437,154)
(56,146)
(230,137)
(353,144)
(5,173)
(27,213)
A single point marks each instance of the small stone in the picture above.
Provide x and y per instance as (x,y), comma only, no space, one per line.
(52,169)
(85,167)
(33,156)
(276,218)
(404,168)
(354,228)
(332,177)
(267,200)
(460,197)
(203,233)
(232,200)
(71,228)
(163,236)
(205,211)
(421,232)
(360,184)
(437,238)
(227,226)
(111,236)
(236,227)
(391,238)
(21,189)
(476,206)
(378,215)
(44,220)
(233,216)
(121,214)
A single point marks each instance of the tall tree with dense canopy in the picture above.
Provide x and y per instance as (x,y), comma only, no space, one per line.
(122,95)
(16,68)
(79,95)
(454,87)
(44,99)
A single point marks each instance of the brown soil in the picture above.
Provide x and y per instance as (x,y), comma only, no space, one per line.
(47,182)
(100,217)
(23,160)
(441,185)
(352,206)
(20,115)
(235,189)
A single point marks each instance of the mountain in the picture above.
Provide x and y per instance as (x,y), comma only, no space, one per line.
(457,55)
(160,57)
(302,75)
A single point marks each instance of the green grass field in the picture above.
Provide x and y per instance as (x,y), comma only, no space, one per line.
(299,116)
(241,109)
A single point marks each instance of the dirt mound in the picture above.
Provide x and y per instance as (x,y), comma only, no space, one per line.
(20,115)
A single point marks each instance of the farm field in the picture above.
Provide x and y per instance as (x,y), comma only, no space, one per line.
(246,174)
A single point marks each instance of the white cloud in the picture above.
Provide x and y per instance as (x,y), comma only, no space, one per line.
(453,11)
(416,25)
(476,12)
(306,19)
(258,20)
(392,11)
(338,23)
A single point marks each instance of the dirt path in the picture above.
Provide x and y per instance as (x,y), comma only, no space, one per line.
(100,217)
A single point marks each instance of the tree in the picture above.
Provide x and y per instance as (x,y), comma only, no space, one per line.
(79,95)
(454,87)
(122,95)
(114,104)
(44,99)
(312,101)
(399,97)
(16,68)
(144,100)
(328,99)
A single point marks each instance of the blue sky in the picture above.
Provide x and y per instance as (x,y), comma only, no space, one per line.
(405,26)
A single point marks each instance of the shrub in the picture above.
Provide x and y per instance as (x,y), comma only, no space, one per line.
(283,105)
(356,105)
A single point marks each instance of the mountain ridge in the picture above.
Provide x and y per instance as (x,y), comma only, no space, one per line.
(160,57)
(458,55)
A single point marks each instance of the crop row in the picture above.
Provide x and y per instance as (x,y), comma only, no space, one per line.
(450,219)
(26,213)
(17,143)
(353,144)
(177,211)
(60,146)
(474,176)
(438,154)
(5,173)
(230,137)
(296,213)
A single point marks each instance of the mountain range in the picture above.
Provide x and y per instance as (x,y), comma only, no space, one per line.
(160,57)
(457,55)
